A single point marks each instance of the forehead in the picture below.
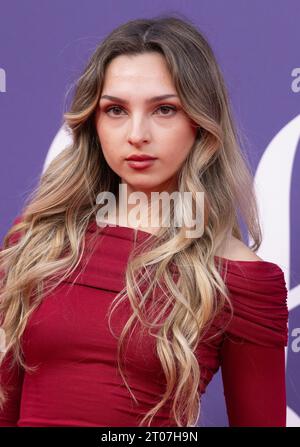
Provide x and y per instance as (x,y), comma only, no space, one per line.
(149,68)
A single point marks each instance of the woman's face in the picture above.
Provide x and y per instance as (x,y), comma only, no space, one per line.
(135,124)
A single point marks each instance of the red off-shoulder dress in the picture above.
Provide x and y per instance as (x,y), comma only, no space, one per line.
(77,382)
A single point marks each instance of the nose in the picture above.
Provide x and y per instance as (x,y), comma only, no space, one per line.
(138,132)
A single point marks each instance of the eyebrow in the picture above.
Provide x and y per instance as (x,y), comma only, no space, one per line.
(150,100)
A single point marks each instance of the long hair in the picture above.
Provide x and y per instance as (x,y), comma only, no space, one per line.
(56,215)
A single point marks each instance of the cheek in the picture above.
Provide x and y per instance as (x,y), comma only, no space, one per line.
(108,142)
(103,134)
(180,144)
(111,155)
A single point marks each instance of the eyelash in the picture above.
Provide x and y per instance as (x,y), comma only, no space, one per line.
(160,107)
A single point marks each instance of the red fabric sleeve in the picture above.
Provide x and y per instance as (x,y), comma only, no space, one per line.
(254,384)
(11,381)
(252,357)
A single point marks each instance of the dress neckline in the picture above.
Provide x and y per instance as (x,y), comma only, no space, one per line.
(127,233)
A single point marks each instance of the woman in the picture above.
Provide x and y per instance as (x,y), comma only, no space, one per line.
(182,306)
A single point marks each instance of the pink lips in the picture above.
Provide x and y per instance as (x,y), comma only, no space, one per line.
(141,164)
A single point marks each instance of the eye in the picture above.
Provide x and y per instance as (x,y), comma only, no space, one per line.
(168,108)
(112,108)
(162,108)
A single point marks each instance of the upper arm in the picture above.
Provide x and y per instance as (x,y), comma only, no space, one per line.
(254,383)
(11,379)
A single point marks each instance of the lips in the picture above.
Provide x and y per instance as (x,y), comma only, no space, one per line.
(140,158)
(141,164)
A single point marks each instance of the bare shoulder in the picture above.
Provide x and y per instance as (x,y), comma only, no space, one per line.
(237,250)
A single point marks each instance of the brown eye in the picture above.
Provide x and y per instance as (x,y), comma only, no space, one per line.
(113,108)
(168,108)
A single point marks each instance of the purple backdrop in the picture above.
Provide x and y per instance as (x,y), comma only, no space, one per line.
(44,45)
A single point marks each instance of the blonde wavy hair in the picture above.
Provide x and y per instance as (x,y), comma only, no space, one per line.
(56,214)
